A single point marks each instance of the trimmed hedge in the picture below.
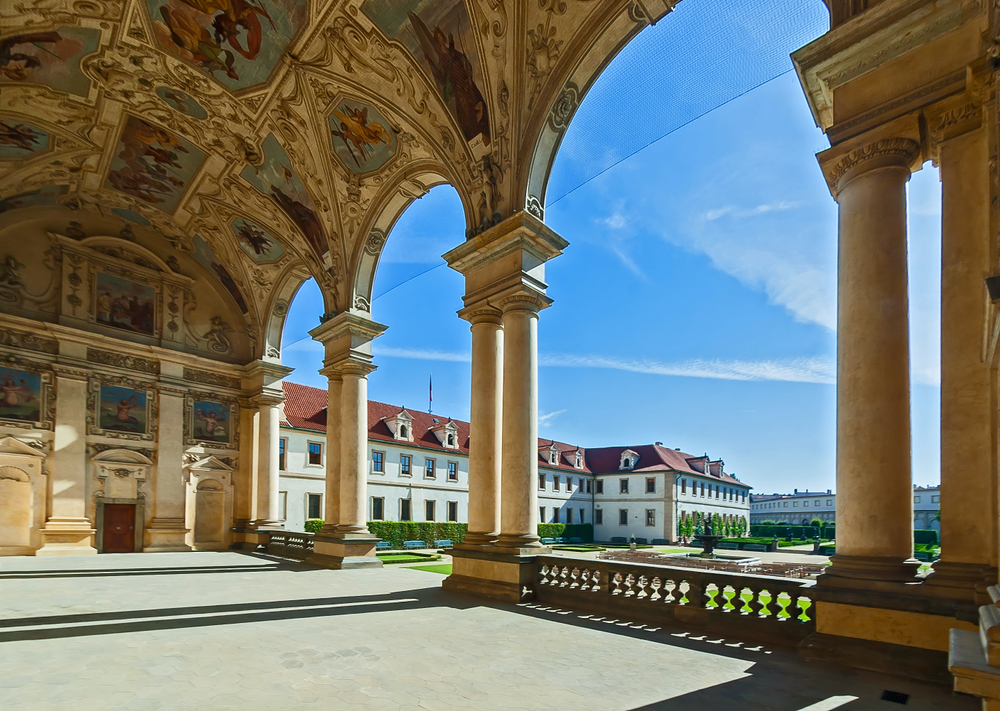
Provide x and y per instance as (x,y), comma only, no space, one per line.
(926,537)
(314,525)
(780,531)
(584,531)
(395,532)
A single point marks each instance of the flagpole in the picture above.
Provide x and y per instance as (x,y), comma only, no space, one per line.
(430,393)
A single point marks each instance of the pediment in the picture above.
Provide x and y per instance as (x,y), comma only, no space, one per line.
(209,463)
(12,445)
(122,456)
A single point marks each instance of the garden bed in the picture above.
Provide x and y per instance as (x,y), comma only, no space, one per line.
(397,558)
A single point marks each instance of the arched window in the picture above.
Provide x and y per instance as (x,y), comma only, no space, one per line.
(402,431)
(451,440)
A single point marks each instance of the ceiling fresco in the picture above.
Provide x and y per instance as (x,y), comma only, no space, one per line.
(279,139)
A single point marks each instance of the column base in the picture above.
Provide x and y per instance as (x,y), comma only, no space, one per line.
(512,542)
(166,535)
(869,573)
(494,574)
(479,539)
(343,553)
(961,581)
(68,536)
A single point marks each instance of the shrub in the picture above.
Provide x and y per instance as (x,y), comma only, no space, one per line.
(395,532)
(314,525)
(928,537)
(583,531)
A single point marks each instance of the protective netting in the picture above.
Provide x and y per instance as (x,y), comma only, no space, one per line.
(702,55)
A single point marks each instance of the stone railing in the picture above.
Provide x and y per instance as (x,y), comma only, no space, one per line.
(753,608)
(286,544)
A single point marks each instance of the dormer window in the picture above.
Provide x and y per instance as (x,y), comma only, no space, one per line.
(629,459)
(578,463)
(401,426)
(447,434)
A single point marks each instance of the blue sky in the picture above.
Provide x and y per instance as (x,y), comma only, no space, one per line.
(696,303)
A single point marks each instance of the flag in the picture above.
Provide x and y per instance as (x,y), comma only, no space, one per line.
(430,393)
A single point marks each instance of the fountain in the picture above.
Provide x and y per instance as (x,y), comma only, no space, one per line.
(708,540)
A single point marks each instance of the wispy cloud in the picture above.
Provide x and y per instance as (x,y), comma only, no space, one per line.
(796,370)
(615,220)
(547,418)
(732,211)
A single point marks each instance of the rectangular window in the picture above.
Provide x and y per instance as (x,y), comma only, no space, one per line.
(569,515)
(404,510)
(314,506)
(541,514)
(589,487)
(598,517)
(623,486)
(404,465)
(716,491)
(684,486)
(600,486)
(429,469)
(282,447)
(582,518)
(452,511)
(541,486)
(916,499)
(805,504)
(702,488)
(795,504)
(378,462)
(428,510)
(651,485)
(622,517)
(452,471)
(555,483)
(555,514)
(315,453)
(829,502)
(935,499)
(378,508)
(283,504)
(650,517)
(569,484)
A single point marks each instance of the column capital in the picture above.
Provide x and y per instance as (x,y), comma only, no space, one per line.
(347,336)
(481,312)
(336,370)
(71,372)
(840,166)
(267,400)
(525,300)
(262,374)
(951,118)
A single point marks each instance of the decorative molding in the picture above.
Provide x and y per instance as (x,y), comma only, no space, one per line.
(902,149)
(564,108)
(207,377)
(28,341)
(123,360)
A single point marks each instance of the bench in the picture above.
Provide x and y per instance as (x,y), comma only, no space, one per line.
(383,546)
(640,541)
(618,539)
(560,539)
(754,547)
(729,545)
(443,543)
(661,542)
(414,544)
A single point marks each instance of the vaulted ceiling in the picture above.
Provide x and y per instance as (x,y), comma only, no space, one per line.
(280,138)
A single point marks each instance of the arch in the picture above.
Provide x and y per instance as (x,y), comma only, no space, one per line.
(286,286)
(9,473)
(589,52)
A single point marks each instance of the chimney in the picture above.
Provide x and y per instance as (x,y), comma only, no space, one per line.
(796,491)
(829,491)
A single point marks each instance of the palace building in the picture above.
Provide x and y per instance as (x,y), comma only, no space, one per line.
(171,172)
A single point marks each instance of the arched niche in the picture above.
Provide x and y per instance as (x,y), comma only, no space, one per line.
(22,497)
(209,503)
(591,49)
(398,196)
(286,286)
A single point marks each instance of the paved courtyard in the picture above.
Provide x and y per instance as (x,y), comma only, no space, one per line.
(226,630)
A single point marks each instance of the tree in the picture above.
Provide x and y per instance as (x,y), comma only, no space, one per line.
(716,523)
(767,522)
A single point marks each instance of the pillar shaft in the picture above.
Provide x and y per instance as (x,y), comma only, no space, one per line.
(268,513)
(167,530)
(519,489)
(354,454)
(68,530)
(874,488)
(333,458)
(968,522)
(485,443)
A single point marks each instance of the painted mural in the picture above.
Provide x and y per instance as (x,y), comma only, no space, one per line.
(210,421)
(22,395)
(122,410)
(439,34)
(361,137)
(42,197)
(125,304)
(256,242)
(206,255)
(180,101)
(239,42)
(51,58)
(19,139)
(130,215)
(153,164)
(275,178)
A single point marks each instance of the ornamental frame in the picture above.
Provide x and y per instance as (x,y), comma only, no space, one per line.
(234,413)
(46,396)
(94,404)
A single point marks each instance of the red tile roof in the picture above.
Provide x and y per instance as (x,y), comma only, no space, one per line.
(305,408)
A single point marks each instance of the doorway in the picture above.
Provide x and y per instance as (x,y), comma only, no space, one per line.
(119,528)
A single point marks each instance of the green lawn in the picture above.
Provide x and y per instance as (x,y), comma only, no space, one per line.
(578,549)
(395,558)
(675,550)
(444,569)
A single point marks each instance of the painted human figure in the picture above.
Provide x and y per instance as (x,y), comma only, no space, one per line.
(125,407)
(13,394)
(211,423)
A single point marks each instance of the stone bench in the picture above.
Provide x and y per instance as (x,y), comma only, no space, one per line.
(414,544)
(443,543)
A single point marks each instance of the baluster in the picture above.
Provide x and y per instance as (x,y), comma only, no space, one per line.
(726,594)
(543,574)
(784,602)
(564,576)
(746,597)
(584,579)
(803,604)
(629,582)
(655,586)
(599,583)
(669,588)
(642,583)
(763,599)
(616,583)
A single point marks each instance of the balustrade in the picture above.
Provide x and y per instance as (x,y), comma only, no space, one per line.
(756,607)
(286,544)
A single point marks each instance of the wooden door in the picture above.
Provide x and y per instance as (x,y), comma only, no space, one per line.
(119,528)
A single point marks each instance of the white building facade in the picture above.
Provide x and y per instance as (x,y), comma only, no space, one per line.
(801,507)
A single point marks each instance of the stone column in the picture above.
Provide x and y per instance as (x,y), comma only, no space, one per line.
(331,506)
(874,487)
(347,341)
(167,530)
(67,530)
(269,421)
(486,424)
(519,486)
(504,269)
(245,477)
(968,479)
